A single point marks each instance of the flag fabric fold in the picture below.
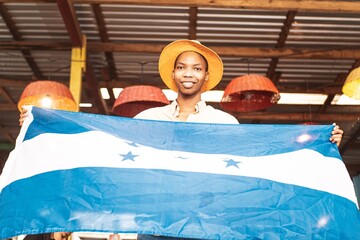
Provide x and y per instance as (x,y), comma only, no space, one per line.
(85,172)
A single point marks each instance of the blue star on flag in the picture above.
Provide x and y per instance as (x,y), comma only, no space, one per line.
(232,163)
(128,156)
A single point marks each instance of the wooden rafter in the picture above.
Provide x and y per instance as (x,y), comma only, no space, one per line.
(272,68)
(281,41)
(340,80)
(192,22)
(303,5)
(315,53)
(99,17)
(93,85)
(341,53)
(355,65)
(67,12)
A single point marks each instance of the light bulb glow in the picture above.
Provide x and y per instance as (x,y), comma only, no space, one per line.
(303,138)
(46,102)
(323,221)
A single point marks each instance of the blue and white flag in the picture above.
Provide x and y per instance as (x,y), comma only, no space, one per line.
(85,172)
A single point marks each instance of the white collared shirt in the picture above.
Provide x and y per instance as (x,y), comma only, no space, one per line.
(203,113)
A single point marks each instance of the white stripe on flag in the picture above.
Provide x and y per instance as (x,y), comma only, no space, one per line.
(305,167)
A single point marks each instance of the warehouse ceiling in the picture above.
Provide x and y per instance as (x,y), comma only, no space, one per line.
(302,46)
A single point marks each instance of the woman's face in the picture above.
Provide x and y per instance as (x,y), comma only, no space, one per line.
(190,73)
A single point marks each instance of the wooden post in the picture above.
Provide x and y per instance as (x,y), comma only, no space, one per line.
(78,67)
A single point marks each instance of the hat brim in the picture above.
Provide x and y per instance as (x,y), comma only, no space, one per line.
(174,49)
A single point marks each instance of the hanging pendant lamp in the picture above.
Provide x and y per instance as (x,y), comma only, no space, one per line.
(47,94)
(135,99)
(351,86)
(249,93)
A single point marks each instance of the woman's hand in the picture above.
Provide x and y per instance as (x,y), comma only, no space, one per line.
(23,115)
(337,134)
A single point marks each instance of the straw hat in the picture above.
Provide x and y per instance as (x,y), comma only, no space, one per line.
(174,49)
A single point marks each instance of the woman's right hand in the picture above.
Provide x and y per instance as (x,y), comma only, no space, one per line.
(23,115)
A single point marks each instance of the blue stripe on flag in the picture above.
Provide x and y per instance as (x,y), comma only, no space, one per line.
(243,139)
(201,205)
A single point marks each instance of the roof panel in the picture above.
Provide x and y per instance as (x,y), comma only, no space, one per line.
(44,18)
(13,63)
(324,29)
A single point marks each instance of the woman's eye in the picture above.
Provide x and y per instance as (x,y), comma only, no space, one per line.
(198,69)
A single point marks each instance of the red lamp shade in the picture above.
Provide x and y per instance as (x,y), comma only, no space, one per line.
(249,93)
(48,94)
(135,99)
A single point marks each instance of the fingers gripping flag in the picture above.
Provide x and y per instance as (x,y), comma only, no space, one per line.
(84,172)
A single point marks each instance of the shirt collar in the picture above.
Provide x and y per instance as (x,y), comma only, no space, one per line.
(175,109)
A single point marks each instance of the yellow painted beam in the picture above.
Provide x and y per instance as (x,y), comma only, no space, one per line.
(78,67)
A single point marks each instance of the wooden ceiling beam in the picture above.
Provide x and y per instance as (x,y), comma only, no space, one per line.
(295,5)
(281,41)
(68,14)
(272,68)
(285,30)
(9,22)
(344,53)
(355,65)
(93,85)
(340,53)
(35,45)
(340,80)
(99,17)
(193,22)
(307,5)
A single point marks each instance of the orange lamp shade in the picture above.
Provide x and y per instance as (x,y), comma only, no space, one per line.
(135,99)
(351,86)
(249,93)
(47,94)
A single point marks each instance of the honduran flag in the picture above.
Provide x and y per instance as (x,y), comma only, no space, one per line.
(85,172)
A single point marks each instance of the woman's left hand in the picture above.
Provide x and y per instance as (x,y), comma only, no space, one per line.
(337,134)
